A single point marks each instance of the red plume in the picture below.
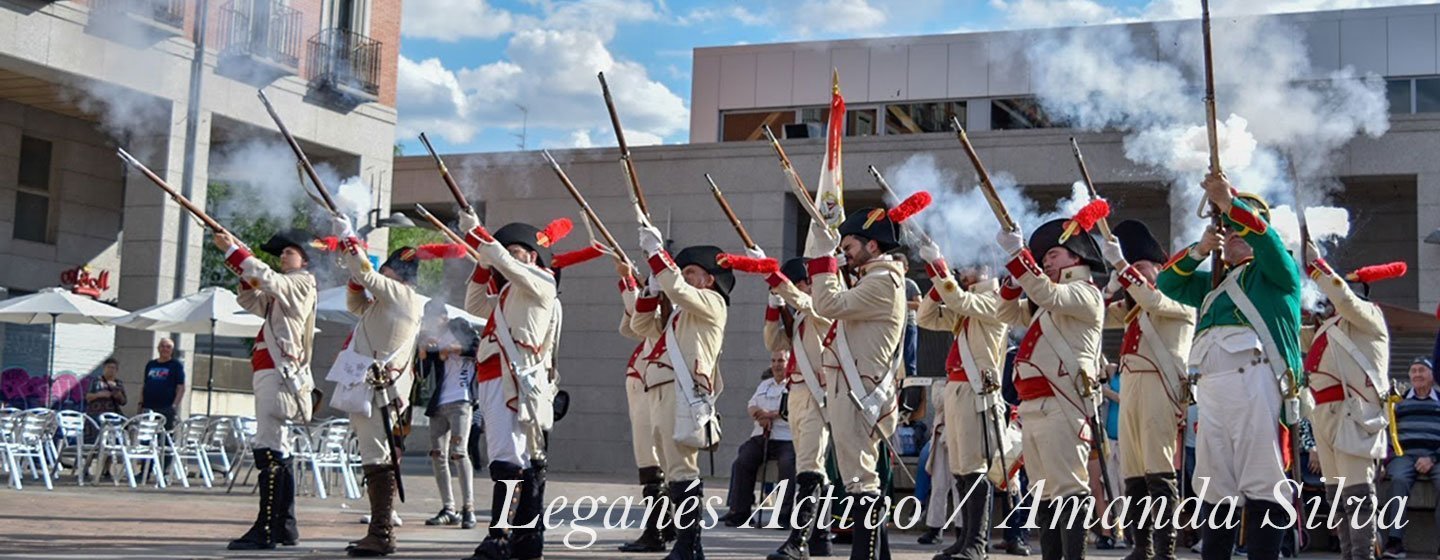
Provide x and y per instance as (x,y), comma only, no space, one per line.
(1097,210)
(1374,273)
(432,251)
(556,231)
(752,265)
(564,260)
(328,243)
(910,206)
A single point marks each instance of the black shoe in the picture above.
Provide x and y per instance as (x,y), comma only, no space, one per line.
(445,517)
(1017,549)
(734,518)
(1394,550)
(467,518)
(1105,542)
(932,536)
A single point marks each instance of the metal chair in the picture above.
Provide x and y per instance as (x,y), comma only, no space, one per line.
(34,442)
(332,456)
(146,441)
(302,453)
(245,428)
(9,425)
(219,438)
(74,425)
(112,443)
(189,444)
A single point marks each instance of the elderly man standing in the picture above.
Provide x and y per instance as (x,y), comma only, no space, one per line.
(282,380)
(164,385)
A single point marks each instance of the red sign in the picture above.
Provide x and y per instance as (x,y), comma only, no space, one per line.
(81,281)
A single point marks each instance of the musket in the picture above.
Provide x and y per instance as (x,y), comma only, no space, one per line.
(1217,264)
(797,185)
(394,452)
(908,225)
(180,199)
(637,195)
(585,207)
(300,155)
(986,186)
(445,230)
(730,214)
(445,174)
(1104,223)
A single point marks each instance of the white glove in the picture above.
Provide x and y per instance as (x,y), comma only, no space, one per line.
(825,239)
(776,300)
(1113,287)
(1011,241)
(755,253)
(652,287)
(650,240)
(1111,249)
(930,252)
(1312,253)
(468,222)
(340,226)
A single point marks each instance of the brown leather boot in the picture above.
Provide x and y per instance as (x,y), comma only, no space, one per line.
(380,538)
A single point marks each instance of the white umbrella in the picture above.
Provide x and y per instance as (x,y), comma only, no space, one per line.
(332,308)
(52,306)
(213,311)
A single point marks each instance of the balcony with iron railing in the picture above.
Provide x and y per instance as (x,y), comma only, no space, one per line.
(263,34)
(346,63)
(165,17)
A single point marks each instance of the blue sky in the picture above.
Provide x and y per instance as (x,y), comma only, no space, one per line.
(468,65)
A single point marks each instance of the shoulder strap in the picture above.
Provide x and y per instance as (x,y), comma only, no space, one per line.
(967,358)
(1278,365)
(803,363)
(1371,369)
(851,369)
(683,380)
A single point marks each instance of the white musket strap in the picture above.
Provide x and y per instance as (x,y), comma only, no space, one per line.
(1278,365)
(803,363)
(967,359)
(1380,382)
(678,365)
(851,369)
(1068,360)
(1168,362)
(508,350)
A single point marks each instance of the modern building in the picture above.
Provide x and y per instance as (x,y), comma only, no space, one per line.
(173,82)
(900,91)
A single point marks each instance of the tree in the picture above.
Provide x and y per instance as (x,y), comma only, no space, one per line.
(431,276)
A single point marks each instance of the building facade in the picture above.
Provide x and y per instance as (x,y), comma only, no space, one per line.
(79,78)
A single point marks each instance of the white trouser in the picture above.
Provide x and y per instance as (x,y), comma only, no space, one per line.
(642,431)
(942,485)
(271,412)
(1237,443)
(504,439)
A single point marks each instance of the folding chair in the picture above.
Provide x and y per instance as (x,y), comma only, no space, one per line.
(302,453)
(245,427)
(34,443)
(73,427)
(332,455)
(145,437)
(188,444)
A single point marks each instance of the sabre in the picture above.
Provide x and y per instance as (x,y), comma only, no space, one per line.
(300,155)
(619,253)
(445,174)
(390,441)
(986,186)
(730,214)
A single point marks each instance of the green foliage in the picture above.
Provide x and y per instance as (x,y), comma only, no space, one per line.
(432,272)
(251,230)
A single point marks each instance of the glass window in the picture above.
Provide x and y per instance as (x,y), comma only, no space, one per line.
(861,122)
(1398,93)
(740,127)
(1427,95)
(34,164)
(1018,113)
(915,118)
(31,213)
(32,195)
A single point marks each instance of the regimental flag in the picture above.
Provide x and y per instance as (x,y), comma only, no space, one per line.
(830,191)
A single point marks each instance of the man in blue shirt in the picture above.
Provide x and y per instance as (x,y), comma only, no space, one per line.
(164,383)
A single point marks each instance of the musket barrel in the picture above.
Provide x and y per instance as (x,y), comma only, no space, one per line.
(449,233)
(636,192)
(885,187)
(299,154)
(585,207)
(1104,223)
(445,174)
(180,199)
(730,214)
(986,187)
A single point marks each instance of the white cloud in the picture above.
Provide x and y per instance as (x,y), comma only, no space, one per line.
(843,16)
(1056,13)
(454,20)
(550,70)
(739,14)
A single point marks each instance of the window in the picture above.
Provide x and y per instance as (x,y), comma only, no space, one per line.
(1427,95)
(1018,113)
(32,196)
(741,127)
(1398,93)
(858,122)
(915,118)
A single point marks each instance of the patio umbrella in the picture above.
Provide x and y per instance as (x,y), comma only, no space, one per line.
(213,311)
(332,309)
(53,306)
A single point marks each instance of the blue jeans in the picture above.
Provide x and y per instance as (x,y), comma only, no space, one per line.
(1402,477)
(922,476)
(912,346)
(1016,531)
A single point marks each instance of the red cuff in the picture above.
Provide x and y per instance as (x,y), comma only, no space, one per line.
(1248,219)
(481,274)
(237,257)
(933,294)
(1130,277)
(1022,263)
(775,279)
(355,286)
(628,283)
(659,262)
(823,265)
(772,313)
(477,236)
(352,244)
(1010,291)
(646,304)
(937,269)
(1320,265)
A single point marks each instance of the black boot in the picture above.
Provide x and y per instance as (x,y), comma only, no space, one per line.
(687,533)
(1263,540)
(1217,540)
(1162,489)
(867,539)
(496,545)
(529,543)
(974,532)
(819,541)
(380,537)
(951,552)
(1071,526)
(807,492)
(667,527)
(1138,527)
(1051,545)
(652,489)
(261,535)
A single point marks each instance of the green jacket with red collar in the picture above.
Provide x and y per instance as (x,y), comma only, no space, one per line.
(1271,279)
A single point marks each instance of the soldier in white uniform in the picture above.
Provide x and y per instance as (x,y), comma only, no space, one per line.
(384,343)
(1055,371)
(644,439)
(281,362)
(516,292)
(1158,331)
